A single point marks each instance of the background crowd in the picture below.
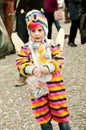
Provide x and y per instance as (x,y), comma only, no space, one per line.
(74,12)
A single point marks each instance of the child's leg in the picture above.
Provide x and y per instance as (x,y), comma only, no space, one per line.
(64,126)
(47,126)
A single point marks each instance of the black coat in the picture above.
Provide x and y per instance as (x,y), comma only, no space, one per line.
(35,4)
(28,5)
(22,4)
(73,8)
(82,17)
(82,8)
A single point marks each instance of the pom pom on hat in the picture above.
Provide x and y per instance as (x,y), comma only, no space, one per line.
(35,18)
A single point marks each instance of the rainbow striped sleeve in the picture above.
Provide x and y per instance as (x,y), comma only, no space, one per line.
(57,54)
(23,59)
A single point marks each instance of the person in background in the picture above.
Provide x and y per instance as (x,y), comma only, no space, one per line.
(66,12)
(50,7)
(21,7)
(40,58)
(57,24)
(82,19)
(73,8)
(8,10)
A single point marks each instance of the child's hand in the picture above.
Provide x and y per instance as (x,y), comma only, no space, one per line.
(45,70)
(36,72)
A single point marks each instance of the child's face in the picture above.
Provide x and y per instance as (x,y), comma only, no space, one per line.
(37,34)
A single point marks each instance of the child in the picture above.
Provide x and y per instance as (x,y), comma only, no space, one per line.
(41,58)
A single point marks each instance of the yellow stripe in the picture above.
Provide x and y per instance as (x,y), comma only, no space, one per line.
(56,79)
(55,64)
(57,51)
(58,106)
(57,97)
(56,88)
(61,114)
(39,104)
(45,121)
(41,113)
(22,68)
(22,53)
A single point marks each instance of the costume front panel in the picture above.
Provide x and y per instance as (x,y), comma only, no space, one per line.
(53,105)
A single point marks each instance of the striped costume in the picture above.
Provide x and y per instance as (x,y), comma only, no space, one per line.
(53,105)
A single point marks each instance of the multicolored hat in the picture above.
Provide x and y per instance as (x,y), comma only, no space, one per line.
(35,18)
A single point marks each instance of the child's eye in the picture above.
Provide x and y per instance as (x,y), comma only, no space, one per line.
(40,30)
(33,30)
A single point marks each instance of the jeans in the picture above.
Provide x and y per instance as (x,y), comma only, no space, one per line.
(62,126)
(47,126)
(57,24)
(73,30)
(50,19)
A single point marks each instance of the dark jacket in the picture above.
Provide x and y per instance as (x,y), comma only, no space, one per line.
(22,5)
(28,5)
(73,8)
(66,3)
(82,8)
(35,4)
(82,18)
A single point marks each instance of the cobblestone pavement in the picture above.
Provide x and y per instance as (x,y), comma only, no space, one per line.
(15,106)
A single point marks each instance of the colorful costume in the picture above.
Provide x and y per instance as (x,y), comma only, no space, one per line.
(52,105)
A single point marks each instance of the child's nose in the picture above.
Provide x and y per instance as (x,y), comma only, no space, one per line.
(37,32)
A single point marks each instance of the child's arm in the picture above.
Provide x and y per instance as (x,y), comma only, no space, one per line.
(24,62)
(58,55)
(57,62)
